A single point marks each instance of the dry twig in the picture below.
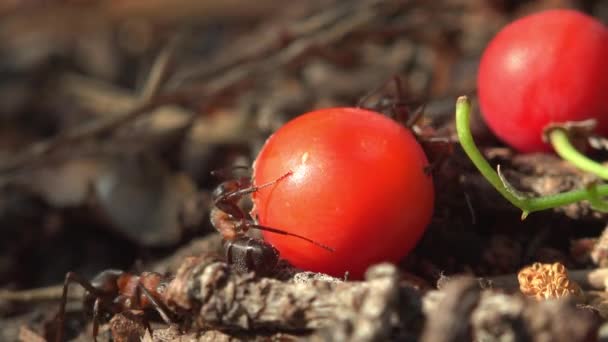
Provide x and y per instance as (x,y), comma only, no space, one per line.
(27,335)
(149,100)
(372,310)
(325,29)
(39,294)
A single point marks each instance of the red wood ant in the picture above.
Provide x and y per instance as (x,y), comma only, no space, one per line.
(243,252)
(116,291)
(397,107)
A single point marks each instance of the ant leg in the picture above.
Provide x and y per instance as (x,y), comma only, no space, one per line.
(375,90)
(412,120)
(399,106)
(70,277)
(441,155)
(96,319)
(409,119)
(398,87)
(147,326)
(399,110)
(282,232)
(228,246)
(160,307)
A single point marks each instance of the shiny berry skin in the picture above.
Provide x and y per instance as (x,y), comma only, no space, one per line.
(358,185)
(547,67)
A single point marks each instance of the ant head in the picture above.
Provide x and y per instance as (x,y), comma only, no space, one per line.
(228,187)
(106,283)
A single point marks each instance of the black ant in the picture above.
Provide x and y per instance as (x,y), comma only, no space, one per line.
(245,253)
(115,291)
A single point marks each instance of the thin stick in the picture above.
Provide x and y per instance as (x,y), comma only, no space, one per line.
(39,294)
(585,278)
(27,335)
(320,31)
(38,150)
(160,69)
(148,101)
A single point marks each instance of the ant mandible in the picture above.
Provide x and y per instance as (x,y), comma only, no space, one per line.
(245,253)
(115,291)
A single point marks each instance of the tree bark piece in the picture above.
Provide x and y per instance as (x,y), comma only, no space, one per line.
(357,311)
(501,317)
(381,308)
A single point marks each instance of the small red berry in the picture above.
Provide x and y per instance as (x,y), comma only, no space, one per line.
(358,185)
(549,67)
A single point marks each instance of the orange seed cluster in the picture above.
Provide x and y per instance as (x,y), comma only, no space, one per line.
(547,281)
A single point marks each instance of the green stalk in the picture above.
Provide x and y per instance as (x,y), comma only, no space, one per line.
(463,113)
(596,200)
(528,205)
(562,146)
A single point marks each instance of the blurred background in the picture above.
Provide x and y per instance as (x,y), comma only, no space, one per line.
(114,112)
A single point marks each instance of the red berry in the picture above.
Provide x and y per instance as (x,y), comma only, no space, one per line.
(547,67)
(358,185)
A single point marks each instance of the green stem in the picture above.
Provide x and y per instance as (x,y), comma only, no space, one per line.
(596,200)
(463,113)
(526,204)
(561,144)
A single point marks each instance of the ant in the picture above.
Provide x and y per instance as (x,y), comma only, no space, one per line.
(115,291)
(245,253)
(397,107)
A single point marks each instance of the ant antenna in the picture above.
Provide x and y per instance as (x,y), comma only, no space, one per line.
(279,231)
(368,95)
(282,232)
(412,120)
(265,185)
(252,189)
(222,173)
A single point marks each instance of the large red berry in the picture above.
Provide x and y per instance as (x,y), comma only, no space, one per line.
(547,67)
(358,185)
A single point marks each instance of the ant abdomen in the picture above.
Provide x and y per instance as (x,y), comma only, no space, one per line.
(247,254)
